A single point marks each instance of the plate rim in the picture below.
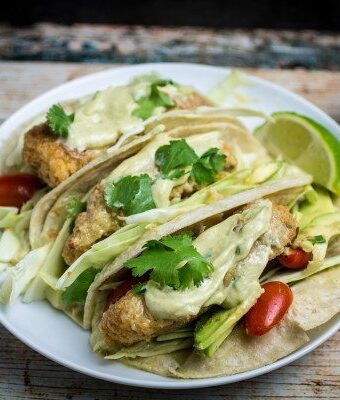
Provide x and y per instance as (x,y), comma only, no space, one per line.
(174,383)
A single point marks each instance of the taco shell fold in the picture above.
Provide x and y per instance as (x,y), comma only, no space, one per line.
(240,352)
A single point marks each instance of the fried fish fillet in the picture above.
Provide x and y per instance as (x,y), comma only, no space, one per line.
(97,222)
(52,160)
(128,320)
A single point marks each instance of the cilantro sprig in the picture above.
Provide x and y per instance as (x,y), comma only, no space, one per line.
(207,166)
(74,207)
(173,158)
(77,291)
(319,239)
(139,288)
(155,98)
(173,261)
(59,121)
(131,193)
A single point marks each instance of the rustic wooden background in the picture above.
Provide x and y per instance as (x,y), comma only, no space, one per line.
(24,374)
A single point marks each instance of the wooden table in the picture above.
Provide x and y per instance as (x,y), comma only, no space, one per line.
(26,374)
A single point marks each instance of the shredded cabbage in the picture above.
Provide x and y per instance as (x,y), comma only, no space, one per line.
(52,268)
(8,216)
(226,90)
(14,242)
(101,253)
(9,246)
(18,278)
(149,349)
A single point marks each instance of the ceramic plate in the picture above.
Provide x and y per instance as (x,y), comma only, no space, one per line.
(52,333)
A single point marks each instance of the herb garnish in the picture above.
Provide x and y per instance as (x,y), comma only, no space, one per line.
(156,98)
(77,291)
(59,121)
(173,261)
(173,158)
(207,166)
(317,239)
(74,207)
(131,193)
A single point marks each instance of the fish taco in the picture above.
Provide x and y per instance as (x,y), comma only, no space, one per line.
(179,170)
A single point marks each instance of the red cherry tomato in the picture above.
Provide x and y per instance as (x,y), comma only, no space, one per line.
(295,258)
(16,189)
(269,309)
(123,288)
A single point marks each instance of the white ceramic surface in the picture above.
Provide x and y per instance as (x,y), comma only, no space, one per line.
(53,334)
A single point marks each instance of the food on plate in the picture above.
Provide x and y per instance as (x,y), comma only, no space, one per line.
(68,140)
(186,245)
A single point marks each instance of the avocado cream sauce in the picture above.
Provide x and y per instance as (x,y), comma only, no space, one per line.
(100,120)
(224,245)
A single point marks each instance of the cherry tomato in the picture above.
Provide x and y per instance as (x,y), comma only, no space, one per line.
(269,309)
(123,288)
(295,258)
(16,189)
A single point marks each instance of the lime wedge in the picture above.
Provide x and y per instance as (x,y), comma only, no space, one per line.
(305,143)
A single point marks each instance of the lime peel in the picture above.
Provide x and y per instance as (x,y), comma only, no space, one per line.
(306,143)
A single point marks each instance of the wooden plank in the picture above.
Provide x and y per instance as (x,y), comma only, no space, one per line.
(21,82)
(26,374)
(137,44)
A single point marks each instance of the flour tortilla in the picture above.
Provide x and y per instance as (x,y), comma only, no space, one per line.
(316,300)
(110,273)
(238,353)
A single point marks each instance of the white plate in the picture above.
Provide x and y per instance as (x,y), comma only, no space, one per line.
(53,334)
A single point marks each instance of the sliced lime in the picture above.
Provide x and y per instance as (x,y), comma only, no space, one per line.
(305,143)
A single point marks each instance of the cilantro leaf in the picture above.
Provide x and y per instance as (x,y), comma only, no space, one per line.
(205,169)
(172,157)
(74,207)
(156,98)
(139,288)
(173,261)
(77,291)
(131,193)
(317,239)
(59,121)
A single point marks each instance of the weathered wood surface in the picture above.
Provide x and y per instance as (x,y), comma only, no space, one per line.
(24,374)
(136,44)
(23,81)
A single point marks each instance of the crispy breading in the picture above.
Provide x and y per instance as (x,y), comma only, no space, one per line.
(128,320)
(97,222)
(52,160)
(191,100)
(282,227)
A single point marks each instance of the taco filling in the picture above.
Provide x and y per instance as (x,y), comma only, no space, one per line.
(167,176)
